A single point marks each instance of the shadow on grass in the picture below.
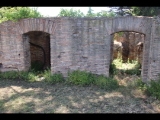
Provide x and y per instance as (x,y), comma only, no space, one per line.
(39,97)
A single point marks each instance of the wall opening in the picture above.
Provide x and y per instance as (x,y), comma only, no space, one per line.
(127,48)
(39,43)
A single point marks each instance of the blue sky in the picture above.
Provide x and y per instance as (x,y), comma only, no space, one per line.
(53,11)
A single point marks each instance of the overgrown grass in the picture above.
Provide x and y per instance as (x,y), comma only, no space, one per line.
(106,83)
(83,78)
(32,76)
(86,78)
(75,77)
(23,75)
(78,77)
(130,68)
(153,88)
(52,78)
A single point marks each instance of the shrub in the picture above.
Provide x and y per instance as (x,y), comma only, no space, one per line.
(85,78)
(131,72)
(18,75)
(53,78)
(153,88)
(80,77)
(106,83)
(9,75)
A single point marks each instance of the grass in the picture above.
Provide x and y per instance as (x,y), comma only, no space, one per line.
(130,68)
(78,77)
(84,78)
(52,78)
(153,88)
(32,76)
(37,97)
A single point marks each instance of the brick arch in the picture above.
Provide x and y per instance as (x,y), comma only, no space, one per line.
(135,24)
(36,24)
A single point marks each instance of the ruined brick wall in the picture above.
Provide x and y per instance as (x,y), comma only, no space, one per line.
(154,69)
(75,43)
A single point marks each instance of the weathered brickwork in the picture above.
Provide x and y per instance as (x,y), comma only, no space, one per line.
(78,43)
(39,47)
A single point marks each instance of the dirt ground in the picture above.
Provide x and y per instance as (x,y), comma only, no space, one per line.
(17,96)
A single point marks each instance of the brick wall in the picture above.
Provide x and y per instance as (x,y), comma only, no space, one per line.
(76,43)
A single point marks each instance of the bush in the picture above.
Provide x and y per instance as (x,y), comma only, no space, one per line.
(80,77)
(9,75)
(85,78)
(23,75)
(131,72)
(53,78)
(106,83)
(153,88)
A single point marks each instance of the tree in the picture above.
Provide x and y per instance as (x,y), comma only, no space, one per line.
(90,13)
(145,11)
(136,11)
(70,13)
(105,14)
(16,13)
(77,13)
(122,10)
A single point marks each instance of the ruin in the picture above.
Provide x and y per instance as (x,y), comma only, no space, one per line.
(76,43)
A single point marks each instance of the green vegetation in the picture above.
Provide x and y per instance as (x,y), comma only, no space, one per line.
(81,77)
(75,77)
(131,68)
(77,13)
(70,13)
(52,78)
(86,78)
(153,88)
(16,13)
(135,11)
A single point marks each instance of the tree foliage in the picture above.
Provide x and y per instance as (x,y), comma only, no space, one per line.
(16,13)
(145,11)
(122,10)
(70,13)
(77,13)
(136,11)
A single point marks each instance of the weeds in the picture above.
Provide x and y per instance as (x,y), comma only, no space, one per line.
(130,68)
(85,78)
(80,77)
(153,88)
(52,78)
(106,83)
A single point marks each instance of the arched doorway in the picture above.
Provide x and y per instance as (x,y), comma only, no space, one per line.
(39,49)
(127,52)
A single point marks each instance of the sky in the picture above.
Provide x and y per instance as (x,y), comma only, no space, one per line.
(54,11)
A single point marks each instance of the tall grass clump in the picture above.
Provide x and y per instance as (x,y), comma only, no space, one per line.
(86,78)
(9,75)
(20,75)
(52,78)
(153,88)
(106,83)
(130,68)
(78,77)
